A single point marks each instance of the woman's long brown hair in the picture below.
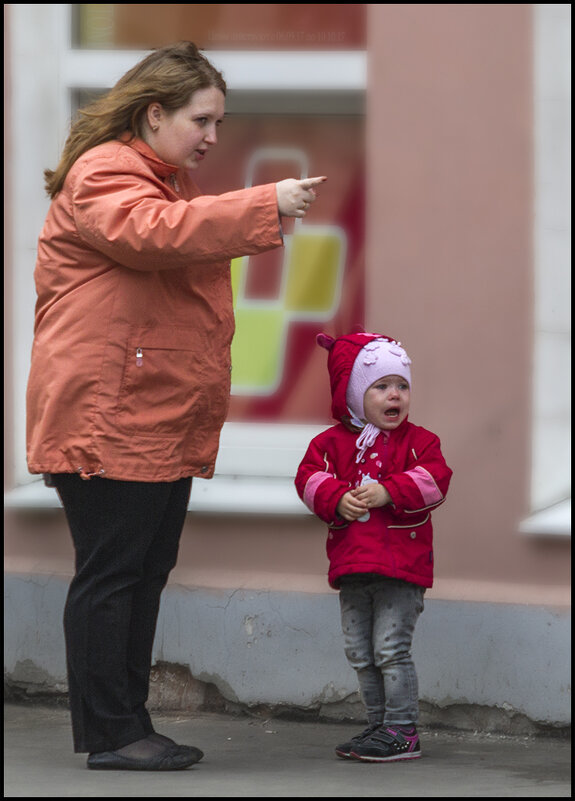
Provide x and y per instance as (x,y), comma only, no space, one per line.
(169,76)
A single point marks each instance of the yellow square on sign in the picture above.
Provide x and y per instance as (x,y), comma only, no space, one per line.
(313,271)
(258,349)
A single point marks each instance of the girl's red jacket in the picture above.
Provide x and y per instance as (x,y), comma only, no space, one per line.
(397,539)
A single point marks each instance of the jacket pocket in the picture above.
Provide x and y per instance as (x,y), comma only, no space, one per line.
(410,523)
(172,379)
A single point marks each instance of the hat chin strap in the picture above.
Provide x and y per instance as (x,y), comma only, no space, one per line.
(366,439)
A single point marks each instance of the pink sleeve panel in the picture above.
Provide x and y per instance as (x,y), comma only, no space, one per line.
(312,484)
(425,483)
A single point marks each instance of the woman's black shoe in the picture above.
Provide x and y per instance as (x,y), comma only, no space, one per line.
(191,750)
(170,758)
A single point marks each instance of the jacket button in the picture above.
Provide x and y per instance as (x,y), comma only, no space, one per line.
(204,469)
(413,535)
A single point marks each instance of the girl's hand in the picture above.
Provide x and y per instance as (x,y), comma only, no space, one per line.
(350,508)
(372,495)
(295,196)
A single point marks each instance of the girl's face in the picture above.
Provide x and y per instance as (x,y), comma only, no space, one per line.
(386,402)
(183,137)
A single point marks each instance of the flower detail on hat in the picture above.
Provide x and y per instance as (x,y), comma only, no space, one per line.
(370,358)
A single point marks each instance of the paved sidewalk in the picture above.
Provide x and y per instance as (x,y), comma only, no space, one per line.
(254,758)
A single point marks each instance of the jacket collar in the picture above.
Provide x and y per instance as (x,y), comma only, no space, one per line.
(370,433)
(161,168)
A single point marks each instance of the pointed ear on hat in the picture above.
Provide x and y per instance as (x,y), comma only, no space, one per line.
(325,341)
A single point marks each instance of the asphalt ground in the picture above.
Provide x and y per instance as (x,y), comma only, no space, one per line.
(248,757)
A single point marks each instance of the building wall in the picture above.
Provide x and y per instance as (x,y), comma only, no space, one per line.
(451,272)
(451,259)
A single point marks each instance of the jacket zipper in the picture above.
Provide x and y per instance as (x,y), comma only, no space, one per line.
(139,357)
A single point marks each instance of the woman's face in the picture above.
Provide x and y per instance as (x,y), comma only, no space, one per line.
(183,137)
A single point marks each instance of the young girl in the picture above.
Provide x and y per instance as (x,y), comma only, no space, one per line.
(374,479)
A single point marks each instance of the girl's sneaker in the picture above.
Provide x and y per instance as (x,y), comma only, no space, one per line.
(344,750)
(388,744)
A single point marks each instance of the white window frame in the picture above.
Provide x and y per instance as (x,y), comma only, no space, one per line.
(551,395)
(256,463)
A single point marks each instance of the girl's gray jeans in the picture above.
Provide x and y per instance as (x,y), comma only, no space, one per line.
(378,617)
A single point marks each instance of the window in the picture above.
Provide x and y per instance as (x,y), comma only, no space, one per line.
(300,102)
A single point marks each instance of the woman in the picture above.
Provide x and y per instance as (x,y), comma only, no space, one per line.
(130,375)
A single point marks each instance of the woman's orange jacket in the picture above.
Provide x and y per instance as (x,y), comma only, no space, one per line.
(130,372)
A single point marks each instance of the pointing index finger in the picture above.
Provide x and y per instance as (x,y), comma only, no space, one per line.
(309,183)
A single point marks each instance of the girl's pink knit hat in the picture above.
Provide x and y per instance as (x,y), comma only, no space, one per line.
(376,359)
(355,361)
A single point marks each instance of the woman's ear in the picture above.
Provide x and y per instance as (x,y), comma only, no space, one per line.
(154,114)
